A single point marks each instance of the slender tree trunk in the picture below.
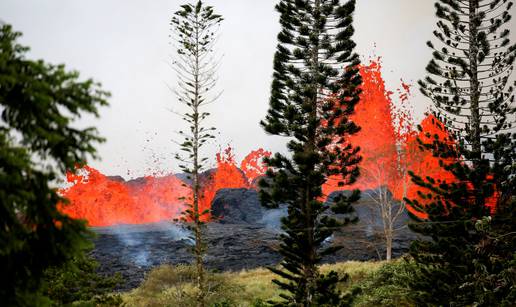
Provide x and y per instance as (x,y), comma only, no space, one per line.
(475,140)
(311,269)
(474,83)
(388,255)
(198,230)
(388,223)
(389,234)
(390,230)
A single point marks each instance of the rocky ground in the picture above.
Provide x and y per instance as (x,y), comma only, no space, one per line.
(243,236)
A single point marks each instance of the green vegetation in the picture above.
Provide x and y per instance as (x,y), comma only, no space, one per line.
(177,286)
(378,284)
(77,282)
(387,285)
(39,104)
(315,87)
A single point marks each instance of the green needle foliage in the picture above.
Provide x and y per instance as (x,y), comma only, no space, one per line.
(469,259)
(39,102)
(314,91)
(195,27)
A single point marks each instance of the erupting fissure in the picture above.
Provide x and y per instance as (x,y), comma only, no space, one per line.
(387,139)
(105,201)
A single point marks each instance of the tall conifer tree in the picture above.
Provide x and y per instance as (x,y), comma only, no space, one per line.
(314,91)
(470,220)
(195,32)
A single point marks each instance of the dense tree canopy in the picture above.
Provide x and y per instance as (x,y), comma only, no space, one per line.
(39,141)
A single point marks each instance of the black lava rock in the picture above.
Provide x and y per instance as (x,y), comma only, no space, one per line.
(244,235)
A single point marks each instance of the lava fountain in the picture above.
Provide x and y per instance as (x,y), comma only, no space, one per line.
(387,139)
(105,201)
(378,138)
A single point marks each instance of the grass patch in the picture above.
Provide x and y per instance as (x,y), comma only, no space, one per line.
(175,286)
(380,284)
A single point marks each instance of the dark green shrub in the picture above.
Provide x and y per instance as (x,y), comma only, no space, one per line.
(387,286)
(78,282)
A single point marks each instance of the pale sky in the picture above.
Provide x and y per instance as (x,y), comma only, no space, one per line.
(125,45)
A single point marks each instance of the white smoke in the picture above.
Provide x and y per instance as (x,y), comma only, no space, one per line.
(272,218)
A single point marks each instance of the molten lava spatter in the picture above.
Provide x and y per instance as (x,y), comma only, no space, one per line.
(253,166)
(104,201)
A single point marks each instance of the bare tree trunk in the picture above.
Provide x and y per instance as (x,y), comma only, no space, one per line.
(388,246)
(388,223)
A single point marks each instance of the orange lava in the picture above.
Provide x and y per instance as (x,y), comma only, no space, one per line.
(423,163)
(389,143)
(377,137)
(253,166)
(104,201)
(389,149)
(226,175)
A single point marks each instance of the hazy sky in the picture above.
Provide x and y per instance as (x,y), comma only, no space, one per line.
(125,45)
